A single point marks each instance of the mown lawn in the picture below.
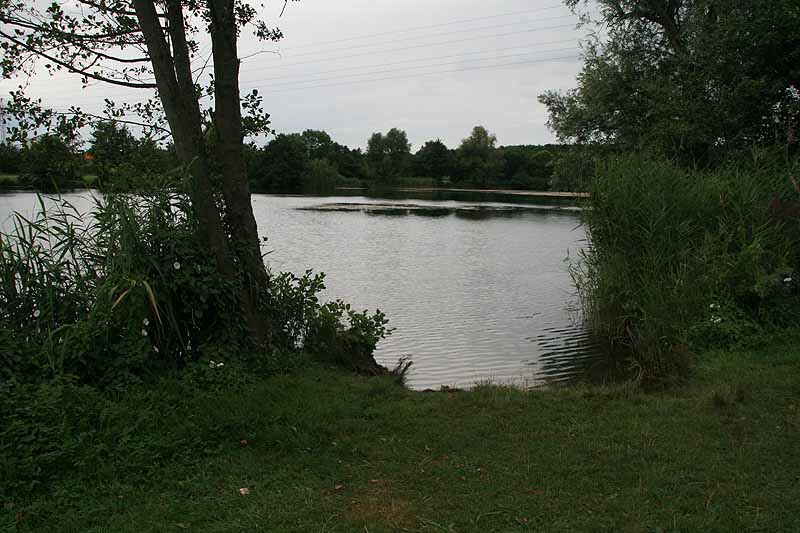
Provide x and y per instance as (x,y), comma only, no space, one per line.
(325,451)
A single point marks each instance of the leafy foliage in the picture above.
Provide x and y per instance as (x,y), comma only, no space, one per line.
(689,79)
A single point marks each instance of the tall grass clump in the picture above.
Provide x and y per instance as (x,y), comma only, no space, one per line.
(122,290)
(679,260)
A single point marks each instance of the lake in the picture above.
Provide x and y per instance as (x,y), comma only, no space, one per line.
(477,287)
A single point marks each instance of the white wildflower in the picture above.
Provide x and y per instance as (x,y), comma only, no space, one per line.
(144,333)
(787,280)
(176,265)
(155,349)
(716,319)
(713,306)
(145,322)
(36,313)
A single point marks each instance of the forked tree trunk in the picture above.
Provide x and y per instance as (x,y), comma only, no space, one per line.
(236,250)
(230,154)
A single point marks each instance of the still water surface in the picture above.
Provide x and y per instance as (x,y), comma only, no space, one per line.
(476,290)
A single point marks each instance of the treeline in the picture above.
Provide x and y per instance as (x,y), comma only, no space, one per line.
(114,158)
(310,161)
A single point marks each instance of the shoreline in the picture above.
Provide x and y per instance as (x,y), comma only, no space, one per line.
(513,192)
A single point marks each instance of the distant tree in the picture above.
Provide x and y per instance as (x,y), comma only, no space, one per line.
(280,166)
(526,167)
(574,168)
(433,160)
(350,163)
(478,159)
(320,176)
(112,145)
(318,144)
(388,156)
(379,166)
(399,151)
(10,159)
(50,164)
(152,160)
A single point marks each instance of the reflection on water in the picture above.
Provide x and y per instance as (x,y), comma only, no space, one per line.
(478,289)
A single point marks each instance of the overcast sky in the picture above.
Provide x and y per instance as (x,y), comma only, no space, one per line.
(434,69)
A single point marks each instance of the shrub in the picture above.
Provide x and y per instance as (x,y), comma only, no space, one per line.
(666,243)
(128,292)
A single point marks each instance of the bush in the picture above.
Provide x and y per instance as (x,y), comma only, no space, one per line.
(129,293)
(665,245)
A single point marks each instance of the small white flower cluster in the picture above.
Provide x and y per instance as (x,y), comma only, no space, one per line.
(787,280)
(212,364)
(145,323)
(36,313)
(715,319)
(176,265)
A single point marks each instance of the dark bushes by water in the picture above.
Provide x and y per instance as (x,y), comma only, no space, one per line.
(680,260)
(97,309)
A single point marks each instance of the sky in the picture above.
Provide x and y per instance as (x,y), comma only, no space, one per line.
(434,69)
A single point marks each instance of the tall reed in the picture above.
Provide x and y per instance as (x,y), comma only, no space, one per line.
(680,259)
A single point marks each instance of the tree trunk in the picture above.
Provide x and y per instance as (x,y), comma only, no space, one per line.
(230,155)
(238,253)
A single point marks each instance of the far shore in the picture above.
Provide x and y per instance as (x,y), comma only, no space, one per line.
(552,194)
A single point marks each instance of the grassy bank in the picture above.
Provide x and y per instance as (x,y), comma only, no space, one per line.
(326,451)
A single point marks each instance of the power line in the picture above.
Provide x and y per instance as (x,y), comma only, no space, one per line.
(413,67)
(413,47)
(426,74)
(441,34)
(428,26)
(417,59)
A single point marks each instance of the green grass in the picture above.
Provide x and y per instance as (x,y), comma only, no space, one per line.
(8,179)
(333,452)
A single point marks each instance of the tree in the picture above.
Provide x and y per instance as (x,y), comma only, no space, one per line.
(399,151)
(150,44)
(388,156)
(111,146)
(280,166)
(377,157)
(478,159)
(527,167)
(50,164)
(318,144)
(10,159)
(690,79)
(349,162)
(433,160)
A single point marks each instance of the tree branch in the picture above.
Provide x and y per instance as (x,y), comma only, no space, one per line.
(75,69)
